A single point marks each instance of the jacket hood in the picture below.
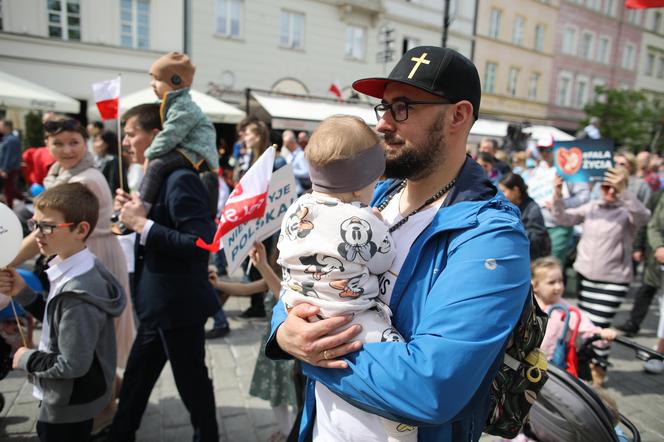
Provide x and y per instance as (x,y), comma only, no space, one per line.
(98,287)
(168,99)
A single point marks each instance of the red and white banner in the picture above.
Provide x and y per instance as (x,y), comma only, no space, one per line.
(642,4)
(335,89)
(107,97)
(247,201)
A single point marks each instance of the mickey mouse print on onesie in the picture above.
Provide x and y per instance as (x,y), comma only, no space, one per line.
(333,244)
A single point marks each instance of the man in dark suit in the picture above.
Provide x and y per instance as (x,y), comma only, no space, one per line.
(173,297)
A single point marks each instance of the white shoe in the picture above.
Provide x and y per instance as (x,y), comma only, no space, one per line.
(654,366)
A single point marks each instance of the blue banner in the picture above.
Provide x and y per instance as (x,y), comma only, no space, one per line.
(583,160)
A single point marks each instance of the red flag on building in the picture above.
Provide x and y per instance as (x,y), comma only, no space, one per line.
(642,4)
(335,89)
(107,97)
(247,201)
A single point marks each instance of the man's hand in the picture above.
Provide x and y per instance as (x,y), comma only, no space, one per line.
(11,283)
(616,178)
(557,187)
(17,356)
(121,198)
(133,214)
(659,255)
(316,342)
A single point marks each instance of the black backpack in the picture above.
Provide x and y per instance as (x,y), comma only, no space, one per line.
(521,375)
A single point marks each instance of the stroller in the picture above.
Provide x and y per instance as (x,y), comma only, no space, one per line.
(567,409)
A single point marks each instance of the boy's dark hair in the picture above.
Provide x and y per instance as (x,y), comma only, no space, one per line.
(147,115)
(74,201)
(486,157)
(98,124)
(110,138)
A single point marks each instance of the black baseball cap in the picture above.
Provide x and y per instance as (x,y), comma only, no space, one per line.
(439,71)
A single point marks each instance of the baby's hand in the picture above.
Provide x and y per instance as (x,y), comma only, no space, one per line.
(17,356)
(609,334)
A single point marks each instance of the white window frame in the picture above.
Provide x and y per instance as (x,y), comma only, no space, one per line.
(604,57)
(609,8)
(594,5)
(355,49)
(591,46)
(597,82)
(628,56)
(569,44)
(230,8)
(136,41)
(660,67)
(63,15)
(650,64)
(581,99)
(512,80)
(540,36)
(533,85)
(289,39)
(564,101)
(410,43)
(490,77)
(656,21)
(495,16)
(518,30)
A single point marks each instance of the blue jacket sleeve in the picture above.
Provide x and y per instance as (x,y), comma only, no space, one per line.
(272,349)
(460,327)
(188,210)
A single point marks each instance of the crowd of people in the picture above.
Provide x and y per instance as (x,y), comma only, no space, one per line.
(365,300)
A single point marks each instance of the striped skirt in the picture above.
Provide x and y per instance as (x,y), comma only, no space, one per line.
(600,301)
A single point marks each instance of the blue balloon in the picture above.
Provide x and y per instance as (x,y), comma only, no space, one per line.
(36,189)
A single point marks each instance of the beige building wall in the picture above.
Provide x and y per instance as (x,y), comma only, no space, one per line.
(500,52)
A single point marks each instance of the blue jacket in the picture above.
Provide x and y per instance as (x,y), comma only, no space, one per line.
(172,287)
(456,300)
(10,153)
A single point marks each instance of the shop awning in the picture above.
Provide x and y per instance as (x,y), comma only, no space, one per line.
(498,129)
(216,110)
(17,93)
(305,114)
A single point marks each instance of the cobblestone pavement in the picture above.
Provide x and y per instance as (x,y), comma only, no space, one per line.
(245,419)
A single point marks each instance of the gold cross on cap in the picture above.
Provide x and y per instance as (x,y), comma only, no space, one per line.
(418,61)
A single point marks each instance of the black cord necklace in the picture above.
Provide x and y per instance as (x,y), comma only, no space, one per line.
(446,188)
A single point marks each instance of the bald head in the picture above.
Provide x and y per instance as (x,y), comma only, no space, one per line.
(288,140)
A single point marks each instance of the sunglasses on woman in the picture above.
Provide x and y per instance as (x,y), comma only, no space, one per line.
(55,127)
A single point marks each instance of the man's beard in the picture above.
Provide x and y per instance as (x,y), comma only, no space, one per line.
(416,162)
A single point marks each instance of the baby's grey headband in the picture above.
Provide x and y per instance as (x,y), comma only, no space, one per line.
(349,174)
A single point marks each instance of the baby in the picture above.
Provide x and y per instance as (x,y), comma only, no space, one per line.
(332,246)
(187,138)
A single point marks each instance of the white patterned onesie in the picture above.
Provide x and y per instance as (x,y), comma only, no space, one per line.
(331,254)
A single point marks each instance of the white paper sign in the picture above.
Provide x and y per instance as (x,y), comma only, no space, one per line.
(540,185)
(281,194)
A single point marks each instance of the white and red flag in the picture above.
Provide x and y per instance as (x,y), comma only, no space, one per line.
(247,201)
(335,89)
(642,4)
(107,97)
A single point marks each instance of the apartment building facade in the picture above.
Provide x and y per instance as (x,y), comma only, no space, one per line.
(650,73)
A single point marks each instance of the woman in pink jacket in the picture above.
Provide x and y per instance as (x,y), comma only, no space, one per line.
(604,254)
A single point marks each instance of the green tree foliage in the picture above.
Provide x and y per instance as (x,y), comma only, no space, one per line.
(628,117)
(34,130)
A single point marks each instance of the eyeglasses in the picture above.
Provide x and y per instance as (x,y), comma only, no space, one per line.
(399,108)
(55,127)
(45,228)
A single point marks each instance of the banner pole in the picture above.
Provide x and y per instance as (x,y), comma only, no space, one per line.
(120,166)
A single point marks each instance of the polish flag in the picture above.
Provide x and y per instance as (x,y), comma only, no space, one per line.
(335,89)
(642,4)
(107,96)
(247,201)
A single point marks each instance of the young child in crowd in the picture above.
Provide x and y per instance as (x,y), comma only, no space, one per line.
(187,138)
(548,286)
(332,246)
(74,368)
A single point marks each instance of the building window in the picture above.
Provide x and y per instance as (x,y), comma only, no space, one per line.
(409,43)
(650,64)
(593,4)
(656,21)
(569,41)
(581,98)
(563,89)
(587,43)
(135,23)
(634,16)
(660,68)
(64,19)
(292,30)
(490,77)
(229,18)
(533,85)
(494,23)
(517,31)
(355,42)
(603,49)
(539,37)
(628,55)
(597,82)
(610,8)
(512,80)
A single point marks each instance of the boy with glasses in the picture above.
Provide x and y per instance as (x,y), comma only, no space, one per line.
(74,367)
